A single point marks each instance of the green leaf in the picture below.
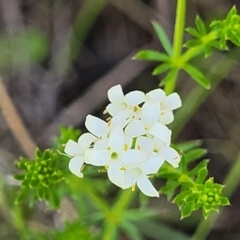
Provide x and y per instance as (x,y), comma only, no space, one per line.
(131,230)
(192,197)
(186,181)
(21,195)
(207,51)
(224,201)
(182,196)
(161,68)
(233,38)
(202,174)
(151,55)
(163,37)
(190,145)
(192,43)
(197,76)
(135,215)
(193,32)
(195,154)
(197,168)
(187,209)
(172,74)
(169,188)
(19,176)
(200,25)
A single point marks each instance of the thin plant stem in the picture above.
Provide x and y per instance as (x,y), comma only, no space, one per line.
(177,41)
(15,123)
(115,216)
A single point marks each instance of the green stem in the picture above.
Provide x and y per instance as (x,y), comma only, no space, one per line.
(179,28)
(194,51)
(115,216)
(99,202)
(231,181)
(177,41)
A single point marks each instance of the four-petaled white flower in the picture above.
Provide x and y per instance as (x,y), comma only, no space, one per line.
(76,151)
(167,104)
(133,143)
(148,123)
(119,102)
(115,155)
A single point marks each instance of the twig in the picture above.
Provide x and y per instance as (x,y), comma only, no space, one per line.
(15,123)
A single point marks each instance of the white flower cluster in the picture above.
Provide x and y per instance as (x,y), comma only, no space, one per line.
(133,143)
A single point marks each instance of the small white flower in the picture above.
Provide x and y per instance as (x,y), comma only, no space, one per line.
(119,102)
(138,176)
(163,150)
(148,123)
(76,151)
(160,151)
(167,104)
(115,155)
(101,129)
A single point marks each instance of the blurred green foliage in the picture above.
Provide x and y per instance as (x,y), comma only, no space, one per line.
(30,45)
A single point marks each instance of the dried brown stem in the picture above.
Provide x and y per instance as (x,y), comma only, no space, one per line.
(15,123)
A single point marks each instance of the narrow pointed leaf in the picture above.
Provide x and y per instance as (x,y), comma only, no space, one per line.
(192,43)
(187,209)
(163,37)
(151,55)
(131,230)
(202,174)
(172,74)
(200,25)
(195,154)
(190,145)
(197,76)
(200,166)
(160,69)
(224,201)
(193,32)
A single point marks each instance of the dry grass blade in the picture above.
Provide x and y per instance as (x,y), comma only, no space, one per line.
(15,123)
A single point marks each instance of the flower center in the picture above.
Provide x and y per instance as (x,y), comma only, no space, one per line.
(114,156)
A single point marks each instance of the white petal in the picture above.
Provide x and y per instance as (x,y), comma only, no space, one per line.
(146,186)
(115,94)
(122,118)
(173,101)
(156,94)
(172,156)
(159,145)
(75,165)
(116,175)
(144,144)
(135,129)
(150,113)
(86,139)
(96,126)
(116,139)
(72,148)
(134,98)
(133,156)
(130,177)
(114,108)
(97,157)
(127,142)
(152,165)
(160,131)
(166,117)
(101,144)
